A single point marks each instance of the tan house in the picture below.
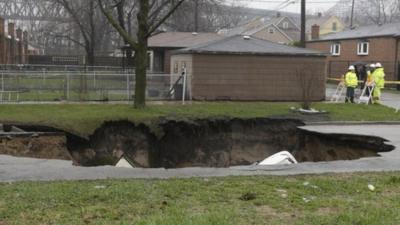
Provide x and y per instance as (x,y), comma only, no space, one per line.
(327,25)
(279,30)
(369,44)
(270,32)
(248,68)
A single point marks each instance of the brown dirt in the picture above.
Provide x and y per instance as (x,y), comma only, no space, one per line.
(43,147)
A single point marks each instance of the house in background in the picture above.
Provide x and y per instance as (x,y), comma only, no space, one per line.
(248,68)
(162,44)
(327,24)
(278,29)
(369,44)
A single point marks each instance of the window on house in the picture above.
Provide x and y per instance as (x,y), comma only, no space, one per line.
(334,26)
(176,67)
(335,49)
(183,65)
(363,48)
(271,30)
(285,25)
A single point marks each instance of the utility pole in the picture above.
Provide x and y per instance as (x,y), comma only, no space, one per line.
(352,15)
(196,15)
(303,24)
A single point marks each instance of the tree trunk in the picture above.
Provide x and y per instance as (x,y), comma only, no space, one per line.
(141,55)
(90,58)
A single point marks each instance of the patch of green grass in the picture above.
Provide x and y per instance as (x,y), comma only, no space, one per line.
(83,119)
(358,112)
(327,199)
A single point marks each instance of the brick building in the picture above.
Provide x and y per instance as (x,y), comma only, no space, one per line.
(13,44)
(248,68)
(369,44)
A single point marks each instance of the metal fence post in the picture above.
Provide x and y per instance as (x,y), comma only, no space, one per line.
(2,81)
(128,86)
(68,86)
(2,87)
(94,80)
(44,78)
(184,85)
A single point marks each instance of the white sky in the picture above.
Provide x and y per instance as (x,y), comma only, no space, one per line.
(312,6)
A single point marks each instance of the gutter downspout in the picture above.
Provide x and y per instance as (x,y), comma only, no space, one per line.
(396,61)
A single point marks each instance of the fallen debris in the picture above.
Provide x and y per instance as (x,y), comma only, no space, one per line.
(125,162)
(280,158)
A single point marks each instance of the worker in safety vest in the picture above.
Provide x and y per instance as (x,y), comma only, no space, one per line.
(378,77)
(369,82)
(371,69)
(351,82)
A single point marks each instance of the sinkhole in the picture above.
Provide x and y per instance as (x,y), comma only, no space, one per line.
(219,142)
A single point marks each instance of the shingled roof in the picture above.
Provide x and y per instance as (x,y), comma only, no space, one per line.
(181,39)
(247,46)
(392,29)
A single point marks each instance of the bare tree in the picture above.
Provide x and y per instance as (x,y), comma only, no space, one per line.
(306,79)
(378,11)
(210,16)
(91,24)
(150,15)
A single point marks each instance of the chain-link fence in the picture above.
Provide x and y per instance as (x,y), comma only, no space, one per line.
(78,85)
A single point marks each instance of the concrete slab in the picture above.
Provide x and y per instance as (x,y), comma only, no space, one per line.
(390,98)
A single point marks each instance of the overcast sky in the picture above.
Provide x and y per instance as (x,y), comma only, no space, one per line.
(313,6)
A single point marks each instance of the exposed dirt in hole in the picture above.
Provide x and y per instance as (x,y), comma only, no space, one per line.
(203,143)
(219,143)
(42,147)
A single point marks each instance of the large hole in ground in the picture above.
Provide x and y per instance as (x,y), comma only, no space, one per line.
(203,143)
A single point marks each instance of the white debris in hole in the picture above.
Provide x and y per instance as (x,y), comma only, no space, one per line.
(280,158)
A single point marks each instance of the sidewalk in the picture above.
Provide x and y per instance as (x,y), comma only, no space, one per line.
(390,98)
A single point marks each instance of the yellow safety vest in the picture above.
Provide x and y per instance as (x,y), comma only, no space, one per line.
(351,79)
(379,77)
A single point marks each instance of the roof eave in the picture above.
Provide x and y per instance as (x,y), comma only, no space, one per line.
(249,53)
(352,38)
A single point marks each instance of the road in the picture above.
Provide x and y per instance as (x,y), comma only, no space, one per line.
(389,98)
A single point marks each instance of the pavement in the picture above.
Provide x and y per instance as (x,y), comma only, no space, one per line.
(23,169)
(27,169)
(390,98)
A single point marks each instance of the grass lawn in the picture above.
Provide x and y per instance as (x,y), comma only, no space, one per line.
(322,199)
(84,119)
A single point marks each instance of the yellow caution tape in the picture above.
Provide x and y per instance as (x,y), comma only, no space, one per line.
(386,81)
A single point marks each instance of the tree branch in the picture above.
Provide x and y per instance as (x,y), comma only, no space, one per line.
(125,35)
(153,27)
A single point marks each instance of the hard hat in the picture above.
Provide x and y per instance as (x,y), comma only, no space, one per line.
(372,65)
(378,65)
(352,67)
